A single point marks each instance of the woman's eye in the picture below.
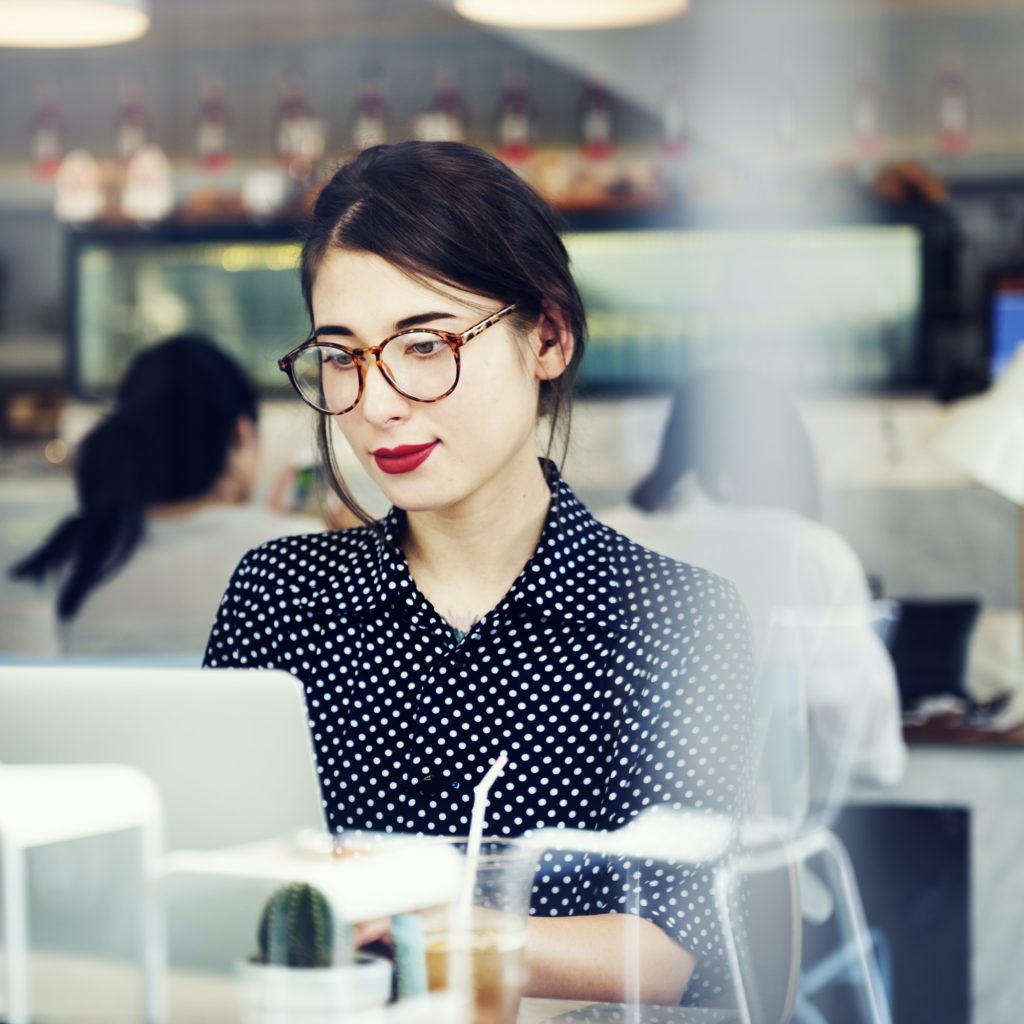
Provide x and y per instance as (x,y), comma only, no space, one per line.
(337,360)
(424,345)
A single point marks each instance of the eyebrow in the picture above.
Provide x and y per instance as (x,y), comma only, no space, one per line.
(417,320)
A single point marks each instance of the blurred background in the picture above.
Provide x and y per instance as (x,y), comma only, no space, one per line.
(827,190)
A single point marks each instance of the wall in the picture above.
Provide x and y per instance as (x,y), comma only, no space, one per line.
(171,70)
(738,59)
(171,74)
(919,527)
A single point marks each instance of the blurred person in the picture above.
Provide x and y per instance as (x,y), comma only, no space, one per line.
(164,485)
(489,611)
(735,489)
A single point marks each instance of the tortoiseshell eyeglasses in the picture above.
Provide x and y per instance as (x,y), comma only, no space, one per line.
(422,365)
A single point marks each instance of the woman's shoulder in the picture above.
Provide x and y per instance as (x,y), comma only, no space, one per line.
(316,543)
(309,566)
(655,581)
(625,524)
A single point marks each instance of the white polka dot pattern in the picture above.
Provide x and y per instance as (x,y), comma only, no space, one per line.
(613,677)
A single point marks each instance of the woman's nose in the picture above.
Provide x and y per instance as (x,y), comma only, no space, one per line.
(381,402)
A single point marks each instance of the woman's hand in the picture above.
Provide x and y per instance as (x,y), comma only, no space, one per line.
(375,930)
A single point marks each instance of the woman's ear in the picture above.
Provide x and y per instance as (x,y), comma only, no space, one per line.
(554,341)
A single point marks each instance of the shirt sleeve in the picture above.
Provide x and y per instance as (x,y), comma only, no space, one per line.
(695,752)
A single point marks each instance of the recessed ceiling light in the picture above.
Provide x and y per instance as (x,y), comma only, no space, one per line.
(567,14)
(70,23)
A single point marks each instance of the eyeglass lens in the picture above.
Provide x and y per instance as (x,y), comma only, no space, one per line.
(422,365)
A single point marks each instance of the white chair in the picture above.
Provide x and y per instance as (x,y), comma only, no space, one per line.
(758,862)
(764,946)
(44,804)
(789,830)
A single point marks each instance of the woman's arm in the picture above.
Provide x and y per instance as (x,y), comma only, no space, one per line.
(589,957)
(595,957)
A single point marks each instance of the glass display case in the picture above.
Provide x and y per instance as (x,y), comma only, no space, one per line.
(829,307)
(129,288)
(825,307)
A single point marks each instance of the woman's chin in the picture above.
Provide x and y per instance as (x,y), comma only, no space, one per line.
(413,492)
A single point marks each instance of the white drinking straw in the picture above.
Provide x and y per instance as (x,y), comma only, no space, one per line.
(476,833)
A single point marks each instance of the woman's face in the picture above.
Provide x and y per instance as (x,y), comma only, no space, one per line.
(476,439)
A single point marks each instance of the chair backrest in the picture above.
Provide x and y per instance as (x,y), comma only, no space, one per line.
(759,903)
(813,697)
(781,724)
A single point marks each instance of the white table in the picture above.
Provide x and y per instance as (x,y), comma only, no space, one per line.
(80,990)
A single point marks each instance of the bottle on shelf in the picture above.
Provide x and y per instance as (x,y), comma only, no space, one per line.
(299,137)
(48,136)
(597,122)
(672,164)
(213,128)
(445,119)
(674,140)
(952,128)
(147,188)
(133,122)
(867,113)
(517,117)
(80,192)
(370,112)
(788,121)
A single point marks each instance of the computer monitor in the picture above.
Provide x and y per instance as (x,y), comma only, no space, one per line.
(1007,331)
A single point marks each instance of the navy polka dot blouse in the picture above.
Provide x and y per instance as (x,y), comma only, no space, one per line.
(614,678)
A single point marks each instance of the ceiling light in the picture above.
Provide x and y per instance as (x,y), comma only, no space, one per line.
(68,23)
(570,13)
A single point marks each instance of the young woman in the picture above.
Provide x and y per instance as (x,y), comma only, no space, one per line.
(163,514)
(489,611)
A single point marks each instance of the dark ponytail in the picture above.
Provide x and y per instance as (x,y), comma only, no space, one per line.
(166,441)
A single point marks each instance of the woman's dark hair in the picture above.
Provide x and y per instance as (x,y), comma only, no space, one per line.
(166,440)
(741,434)
(449,213)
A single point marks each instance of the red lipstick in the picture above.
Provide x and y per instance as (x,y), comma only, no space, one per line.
(404,458)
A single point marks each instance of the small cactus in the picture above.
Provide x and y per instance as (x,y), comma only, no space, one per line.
(296,928)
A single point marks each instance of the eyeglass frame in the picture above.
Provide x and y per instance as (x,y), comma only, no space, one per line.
(454,339)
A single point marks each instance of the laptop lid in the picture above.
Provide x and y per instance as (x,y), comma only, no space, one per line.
(229,750)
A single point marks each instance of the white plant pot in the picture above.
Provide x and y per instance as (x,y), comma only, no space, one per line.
(356,992)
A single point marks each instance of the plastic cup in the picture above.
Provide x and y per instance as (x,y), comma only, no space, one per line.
(493,936)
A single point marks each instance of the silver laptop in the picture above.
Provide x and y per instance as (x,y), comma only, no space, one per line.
(231,755)
(229,751)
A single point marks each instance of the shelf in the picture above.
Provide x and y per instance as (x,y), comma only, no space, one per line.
(20,193)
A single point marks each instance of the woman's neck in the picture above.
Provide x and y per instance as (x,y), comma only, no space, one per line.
(232,487)
(465,559)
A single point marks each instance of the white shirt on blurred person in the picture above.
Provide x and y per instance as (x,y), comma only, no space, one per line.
(164,598)
(780,559)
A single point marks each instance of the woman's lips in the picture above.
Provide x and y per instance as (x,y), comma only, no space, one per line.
(404,458)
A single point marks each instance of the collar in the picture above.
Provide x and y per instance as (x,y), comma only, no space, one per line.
(572,575)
